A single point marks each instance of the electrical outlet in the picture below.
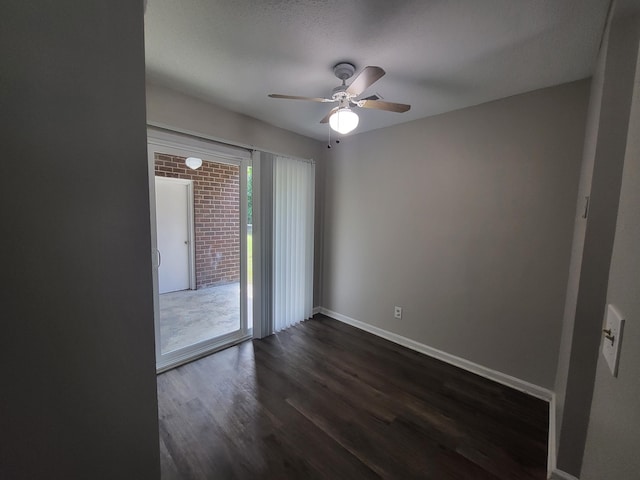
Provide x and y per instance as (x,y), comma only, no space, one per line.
(397,312)
(613,327)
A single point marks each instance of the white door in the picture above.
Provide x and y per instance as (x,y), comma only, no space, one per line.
(172,223)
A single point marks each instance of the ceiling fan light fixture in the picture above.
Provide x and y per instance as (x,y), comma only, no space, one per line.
(344,120)
(193,163)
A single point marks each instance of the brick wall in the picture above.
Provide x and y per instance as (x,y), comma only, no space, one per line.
(216,192)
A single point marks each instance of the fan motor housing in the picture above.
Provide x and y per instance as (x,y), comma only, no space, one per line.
(344,70)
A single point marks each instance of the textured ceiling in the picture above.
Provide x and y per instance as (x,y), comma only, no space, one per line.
(439,55)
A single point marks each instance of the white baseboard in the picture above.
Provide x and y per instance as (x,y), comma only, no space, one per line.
(551,442)
(316,310)
(560,475)
(499,377)
(502,378)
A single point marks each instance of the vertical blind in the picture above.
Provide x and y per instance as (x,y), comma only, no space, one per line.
(293,218)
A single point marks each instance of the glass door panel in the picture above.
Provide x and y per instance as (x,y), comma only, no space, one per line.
(200,228)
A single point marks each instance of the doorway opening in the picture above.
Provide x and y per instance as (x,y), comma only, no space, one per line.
(202,243)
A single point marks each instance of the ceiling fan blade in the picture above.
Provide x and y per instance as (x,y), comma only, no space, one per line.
(326,118)
(388,106)
(294,97)
(367,77)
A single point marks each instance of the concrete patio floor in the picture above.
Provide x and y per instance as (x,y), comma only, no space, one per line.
(190,316)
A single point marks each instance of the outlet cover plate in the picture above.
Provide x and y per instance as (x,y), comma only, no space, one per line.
(611,347)
(397,312)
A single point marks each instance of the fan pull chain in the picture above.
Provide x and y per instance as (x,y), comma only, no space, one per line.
(329,144)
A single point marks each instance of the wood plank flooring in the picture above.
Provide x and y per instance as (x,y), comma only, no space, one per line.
(324,400)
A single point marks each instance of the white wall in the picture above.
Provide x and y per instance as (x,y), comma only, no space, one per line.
(180,112)
(613,436)
(77,353)
(464,220)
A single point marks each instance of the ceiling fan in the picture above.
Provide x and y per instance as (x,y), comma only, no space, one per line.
(341,118)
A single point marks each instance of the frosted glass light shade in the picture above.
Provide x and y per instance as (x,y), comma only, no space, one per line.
(344,120)
(193,163)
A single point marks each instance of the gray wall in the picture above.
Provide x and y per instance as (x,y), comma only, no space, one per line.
(183,113)
(464,220)
(174,109)
(587,293)
(613,436)
(579,231)
(77,355)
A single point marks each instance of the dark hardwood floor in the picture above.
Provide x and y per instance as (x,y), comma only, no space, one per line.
(326,400)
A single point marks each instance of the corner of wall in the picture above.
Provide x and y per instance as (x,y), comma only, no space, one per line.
(617,68)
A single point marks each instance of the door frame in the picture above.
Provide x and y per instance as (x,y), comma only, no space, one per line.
(190,226)
(183,145)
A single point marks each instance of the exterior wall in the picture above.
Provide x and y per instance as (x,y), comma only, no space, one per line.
(216,188)
(182,113)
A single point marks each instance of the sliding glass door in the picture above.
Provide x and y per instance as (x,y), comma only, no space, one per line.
(201,245)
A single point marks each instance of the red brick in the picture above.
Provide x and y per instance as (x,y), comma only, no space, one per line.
(216,206)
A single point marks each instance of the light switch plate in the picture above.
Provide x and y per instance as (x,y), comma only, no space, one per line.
(613,326)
